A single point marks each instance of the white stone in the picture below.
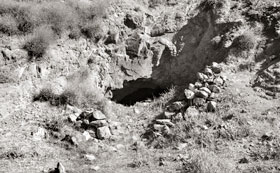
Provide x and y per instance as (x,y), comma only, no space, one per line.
(208,71)
(189,94)
(165,122)
(103,132)
(87,135)
(72,118)
(90,157)
(211,106)
(40,134)
(95,168)
(168,114)
(219,81)
(191,87)
(206,90)
(60,168)
(98,115)
(202,94)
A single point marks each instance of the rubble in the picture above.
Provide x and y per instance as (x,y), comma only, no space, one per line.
(201,96)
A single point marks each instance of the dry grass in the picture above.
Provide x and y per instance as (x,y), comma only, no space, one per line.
(17,17)
(39,42)
(203,161)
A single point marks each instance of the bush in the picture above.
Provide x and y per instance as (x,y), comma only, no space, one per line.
(70,15)
(8,25)
(202,161)
(246,41)
(59,16)
(21,12)
(45,95)
(208,5)
(38,44)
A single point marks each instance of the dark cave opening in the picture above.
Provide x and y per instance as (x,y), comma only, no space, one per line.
(137,91)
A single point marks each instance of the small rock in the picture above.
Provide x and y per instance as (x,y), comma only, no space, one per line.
(202,94)
(191,87)
(87,135)
(158,127)
(216,68)
(198,101)
(72,109)
(166,130)
(7,54)
(79,123)
(72,118)
(161,161)
(165,122)
(137,111)
(204,127)
(181,146)
(215,88)
(95,168)
(189,94)
(168,114)
(178,117)
(212,96)
(267,136)
(176,106)
(40,134)
(198,85)
(224,78)
(219,81)
(211,106)
(201,76)
(208,72)
(103,132)
(120,146)
(206,90)
(98,115)
(86,122)
(98,123)
(60,168)
(90,157)
(192,111)
(243,160)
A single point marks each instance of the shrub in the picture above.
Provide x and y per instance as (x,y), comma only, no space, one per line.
(8,25)
(59,16)
(245,41)
(203,161)
(44,95)
(94,30)
(208,5)
(21,12)
(40,41)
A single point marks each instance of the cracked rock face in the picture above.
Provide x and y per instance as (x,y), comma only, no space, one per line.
(194,51)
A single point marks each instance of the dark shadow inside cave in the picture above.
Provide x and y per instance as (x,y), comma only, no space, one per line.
(137,91)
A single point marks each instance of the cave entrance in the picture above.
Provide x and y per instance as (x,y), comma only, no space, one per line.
(137,91)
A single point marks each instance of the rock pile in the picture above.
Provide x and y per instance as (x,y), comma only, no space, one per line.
(204,92)
(94,121)
(202,95)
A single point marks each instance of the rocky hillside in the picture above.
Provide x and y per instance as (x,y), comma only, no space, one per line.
(139,86)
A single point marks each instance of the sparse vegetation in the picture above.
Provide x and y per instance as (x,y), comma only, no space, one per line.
(207,5)
(206,161)
(8,25)
(246,41)
(39,42)
(26,17)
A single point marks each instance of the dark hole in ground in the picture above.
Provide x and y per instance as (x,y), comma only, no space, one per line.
(137,91)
